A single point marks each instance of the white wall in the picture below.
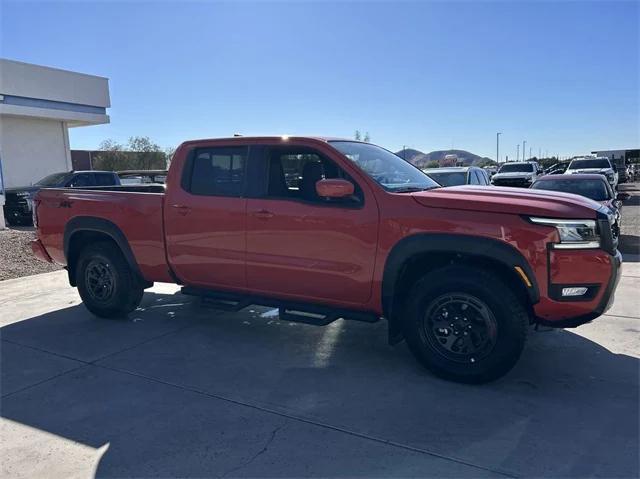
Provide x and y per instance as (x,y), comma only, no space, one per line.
(36,81)
(32,148)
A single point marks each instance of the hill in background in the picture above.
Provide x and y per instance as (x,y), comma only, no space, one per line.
(421,159)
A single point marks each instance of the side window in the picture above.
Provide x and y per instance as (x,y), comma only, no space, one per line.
(80,180)
(294,172)
(218,171)
(104,179)
(473,177)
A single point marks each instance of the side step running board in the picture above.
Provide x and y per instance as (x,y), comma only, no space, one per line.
(308,313)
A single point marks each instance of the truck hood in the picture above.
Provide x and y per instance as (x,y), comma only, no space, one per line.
(494,199)
(514,174)
(590,171)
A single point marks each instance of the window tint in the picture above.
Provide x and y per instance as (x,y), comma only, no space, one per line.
(218,171)
(81,179)
(448,178)
(516,168)
(597,190)
(104,179)
(294,172)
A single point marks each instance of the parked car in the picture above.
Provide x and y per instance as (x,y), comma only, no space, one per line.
(594,187)
(520,174)
(140,177)
(601,166)
(459,175)
(19,201)
(460,273)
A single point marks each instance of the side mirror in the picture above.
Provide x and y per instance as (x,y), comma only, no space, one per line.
(623,196)
(334,188)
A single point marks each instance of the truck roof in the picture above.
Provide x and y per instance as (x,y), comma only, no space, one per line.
(241,139)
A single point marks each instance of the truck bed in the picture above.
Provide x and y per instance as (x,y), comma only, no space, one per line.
(137,211)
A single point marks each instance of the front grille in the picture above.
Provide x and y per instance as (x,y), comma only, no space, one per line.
(15,201)
(512,182)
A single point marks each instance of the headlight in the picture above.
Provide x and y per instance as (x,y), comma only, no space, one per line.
(574,234)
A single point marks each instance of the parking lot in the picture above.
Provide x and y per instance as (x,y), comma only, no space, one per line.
(178,390)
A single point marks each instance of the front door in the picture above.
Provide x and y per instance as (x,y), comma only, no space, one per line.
(301,245)
(205,219)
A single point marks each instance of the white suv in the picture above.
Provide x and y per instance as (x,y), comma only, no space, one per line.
(600,166)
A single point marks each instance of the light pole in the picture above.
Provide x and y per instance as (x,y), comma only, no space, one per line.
(498,148)
(524,149)
(518,153)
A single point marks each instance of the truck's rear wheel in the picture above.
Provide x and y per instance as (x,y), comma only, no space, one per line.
(465,324)
(107,285)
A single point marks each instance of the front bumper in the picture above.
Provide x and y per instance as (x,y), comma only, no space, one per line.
(20,211)
(600,304)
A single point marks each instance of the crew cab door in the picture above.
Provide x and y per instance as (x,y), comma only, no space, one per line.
(306,247)
(205,218)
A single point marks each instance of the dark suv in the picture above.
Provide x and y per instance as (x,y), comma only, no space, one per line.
(18,201)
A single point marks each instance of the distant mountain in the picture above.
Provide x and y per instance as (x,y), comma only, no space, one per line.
(421,159)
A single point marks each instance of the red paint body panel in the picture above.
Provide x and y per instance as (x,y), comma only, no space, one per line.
(139,216)
(318,253)
(39,252)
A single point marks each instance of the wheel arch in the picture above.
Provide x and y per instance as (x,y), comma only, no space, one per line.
(417,254)
(82,229)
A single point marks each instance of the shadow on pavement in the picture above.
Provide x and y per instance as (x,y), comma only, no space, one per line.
(179,391)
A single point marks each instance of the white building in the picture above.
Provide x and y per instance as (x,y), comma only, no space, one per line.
(38,105)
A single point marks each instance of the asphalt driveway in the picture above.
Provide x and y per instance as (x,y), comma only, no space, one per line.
(178,390)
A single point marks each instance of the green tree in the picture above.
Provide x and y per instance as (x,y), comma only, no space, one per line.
(140,153)
(358,136)
(486,162)
(112,157)
(433,164)
(147,155)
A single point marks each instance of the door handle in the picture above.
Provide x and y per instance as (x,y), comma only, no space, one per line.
(182,209)
(263,214)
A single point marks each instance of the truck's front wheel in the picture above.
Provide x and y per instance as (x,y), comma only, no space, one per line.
(465,324)
(107,285)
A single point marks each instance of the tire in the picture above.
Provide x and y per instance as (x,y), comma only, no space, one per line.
(475,344)
(107,285)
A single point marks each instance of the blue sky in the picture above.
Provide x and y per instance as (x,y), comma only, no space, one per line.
(561,75)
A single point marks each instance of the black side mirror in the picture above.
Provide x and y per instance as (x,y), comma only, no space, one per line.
(623,196)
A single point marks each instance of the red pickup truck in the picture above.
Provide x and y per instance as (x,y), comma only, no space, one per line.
(325,229)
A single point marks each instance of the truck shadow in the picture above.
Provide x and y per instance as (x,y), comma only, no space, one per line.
(179,391)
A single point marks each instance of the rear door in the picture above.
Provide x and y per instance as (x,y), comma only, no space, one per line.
(205,218)
(301,245)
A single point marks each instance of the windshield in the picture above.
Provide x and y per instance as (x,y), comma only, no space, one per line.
(516,168)
(449,178)
(595,189)
(584,164)
(52,180)
(390,171)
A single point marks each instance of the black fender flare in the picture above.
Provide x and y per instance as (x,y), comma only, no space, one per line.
(477,246)
(98,225)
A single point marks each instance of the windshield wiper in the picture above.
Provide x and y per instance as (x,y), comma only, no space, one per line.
(413,189)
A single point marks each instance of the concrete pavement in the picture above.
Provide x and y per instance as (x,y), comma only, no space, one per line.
(177,390)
